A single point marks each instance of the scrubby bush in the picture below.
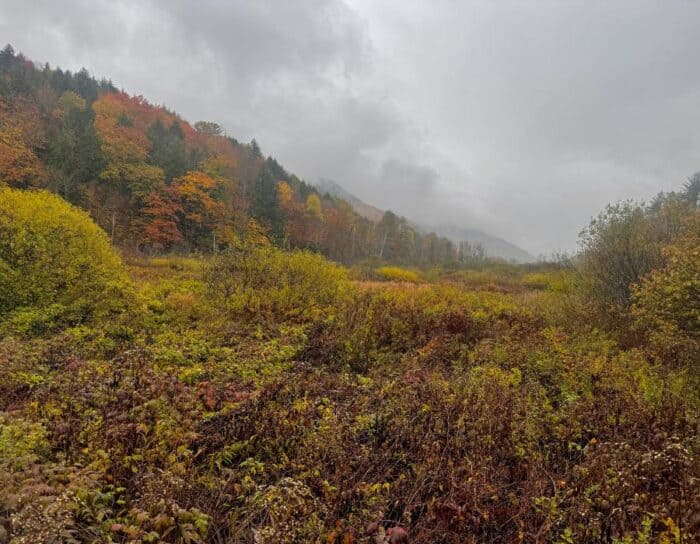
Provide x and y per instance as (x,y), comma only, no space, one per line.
(667,302)
(265,282)
(536,280)
(623,244)
(21,439)
(395,273)
(176,262)
(55,263)
(380,325)
(619,248)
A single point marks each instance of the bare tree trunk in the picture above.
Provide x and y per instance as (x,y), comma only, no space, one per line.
(381,250)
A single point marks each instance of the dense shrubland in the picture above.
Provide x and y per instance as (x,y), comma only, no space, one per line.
(259,395)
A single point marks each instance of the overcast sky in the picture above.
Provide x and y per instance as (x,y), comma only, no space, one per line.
(520,118)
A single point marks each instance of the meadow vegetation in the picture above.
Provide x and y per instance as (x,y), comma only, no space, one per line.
(258,395)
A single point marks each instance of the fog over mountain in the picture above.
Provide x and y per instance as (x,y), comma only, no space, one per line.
(492,245)
(518,119)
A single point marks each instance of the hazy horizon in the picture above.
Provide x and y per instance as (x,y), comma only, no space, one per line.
(519,120)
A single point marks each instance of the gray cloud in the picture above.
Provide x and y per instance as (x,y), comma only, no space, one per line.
(523,119)
(408,186)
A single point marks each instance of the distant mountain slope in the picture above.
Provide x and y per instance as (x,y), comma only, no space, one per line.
(365,210)
(494,246)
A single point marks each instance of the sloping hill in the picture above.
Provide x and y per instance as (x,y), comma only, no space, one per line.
(493,246)
(327,186)
(158,183)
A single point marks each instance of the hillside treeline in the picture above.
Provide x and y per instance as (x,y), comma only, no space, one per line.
(156,183)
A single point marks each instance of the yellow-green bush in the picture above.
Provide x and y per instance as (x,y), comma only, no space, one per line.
(266,282)
(666,304)
(176,262)
(382,324)
(395,273)
(536,280)
(55,262)
(20,440)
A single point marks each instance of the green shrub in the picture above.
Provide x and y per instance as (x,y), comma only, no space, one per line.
(667,302)
(20,439)
(267,282)
(536,280)
(55,262)
(395,273)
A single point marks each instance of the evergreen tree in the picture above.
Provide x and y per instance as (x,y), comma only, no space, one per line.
(74,154)
(265,204)
(255,149)
(168,149)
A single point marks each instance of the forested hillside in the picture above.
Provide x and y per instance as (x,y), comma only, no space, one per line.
(155,182)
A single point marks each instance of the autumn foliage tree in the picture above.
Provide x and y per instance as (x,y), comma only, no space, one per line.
(200,214)
(159,225)
(19,166)
(153,181)
(125,146)
(20,135)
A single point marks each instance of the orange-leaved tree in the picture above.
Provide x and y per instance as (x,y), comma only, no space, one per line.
(200,215)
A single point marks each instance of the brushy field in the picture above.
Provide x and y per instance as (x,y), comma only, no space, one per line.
(260,396)
(267,398)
